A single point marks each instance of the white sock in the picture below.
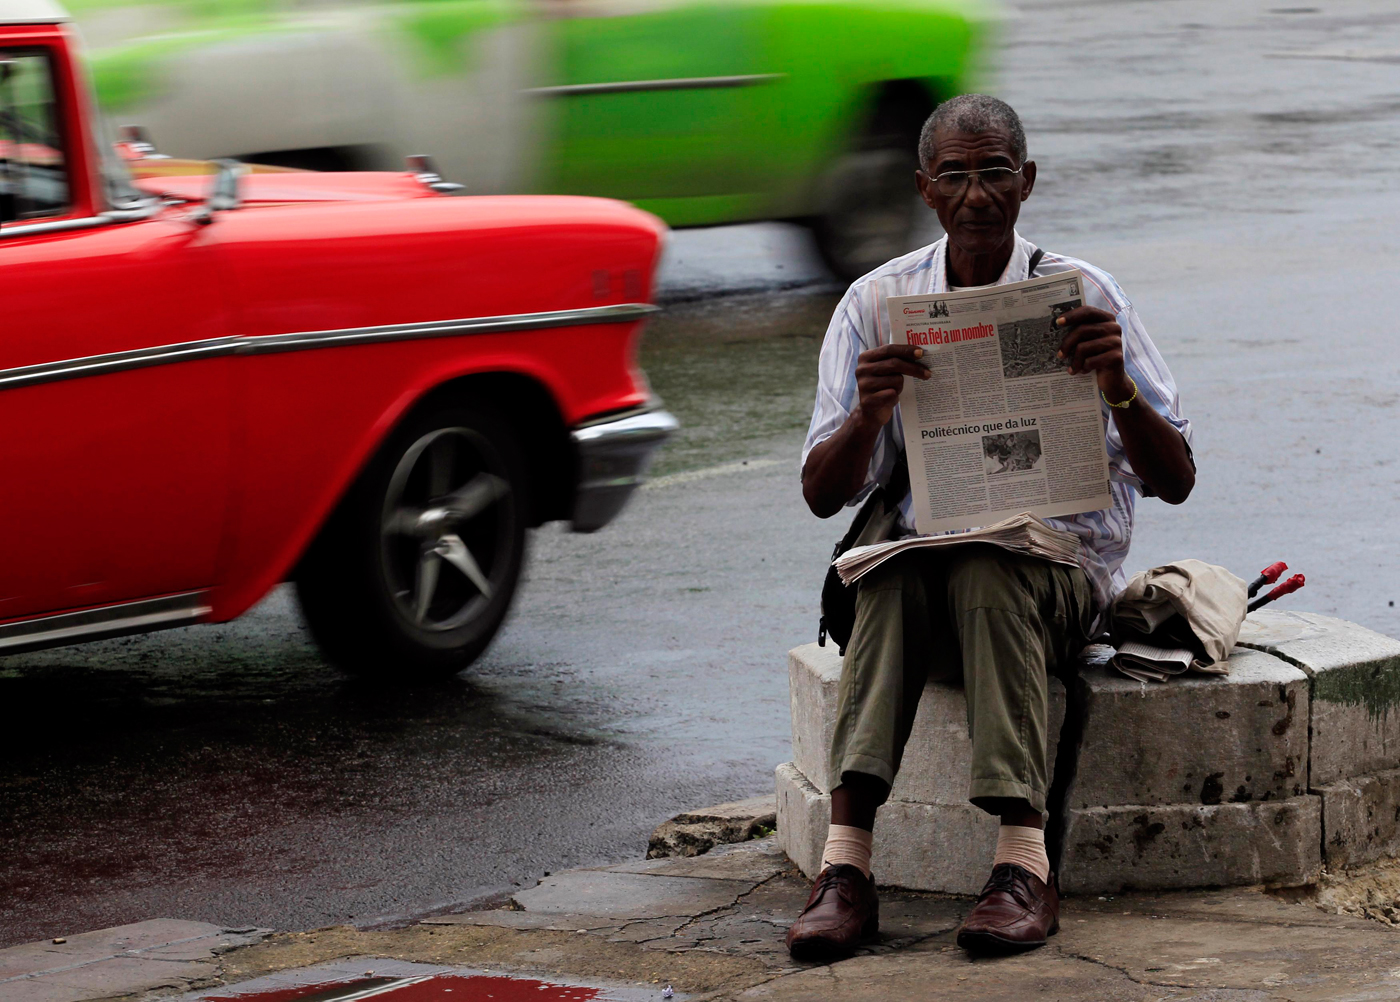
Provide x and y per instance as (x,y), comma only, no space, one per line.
(845,844)
(1024,847)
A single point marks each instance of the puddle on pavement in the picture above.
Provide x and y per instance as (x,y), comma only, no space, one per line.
(736,372)
(423,988)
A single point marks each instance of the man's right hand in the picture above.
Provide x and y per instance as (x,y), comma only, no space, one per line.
(836,468)
(880,376)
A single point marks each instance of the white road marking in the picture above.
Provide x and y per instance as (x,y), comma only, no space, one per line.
(746,466)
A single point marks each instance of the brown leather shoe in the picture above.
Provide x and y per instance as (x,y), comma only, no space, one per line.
(1015,911)
(842,912)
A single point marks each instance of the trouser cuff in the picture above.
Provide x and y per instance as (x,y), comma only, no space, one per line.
(988,789)
(878,768)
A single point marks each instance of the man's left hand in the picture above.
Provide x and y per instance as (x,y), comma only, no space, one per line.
(1094,343)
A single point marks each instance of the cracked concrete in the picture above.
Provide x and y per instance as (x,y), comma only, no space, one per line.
(714,926)
(1236,945)
(156,955)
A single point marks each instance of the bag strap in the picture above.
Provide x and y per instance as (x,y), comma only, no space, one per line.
(1036,255)
(899,479)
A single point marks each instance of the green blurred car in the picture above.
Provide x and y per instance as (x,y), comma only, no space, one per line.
(701,112)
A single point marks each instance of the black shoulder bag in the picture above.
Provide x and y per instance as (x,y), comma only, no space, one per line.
(873,524)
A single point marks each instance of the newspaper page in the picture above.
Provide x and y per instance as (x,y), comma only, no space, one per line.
(1001,427)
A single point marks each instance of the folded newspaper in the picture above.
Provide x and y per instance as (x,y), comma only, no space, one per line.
(1020,533)
(1147,663)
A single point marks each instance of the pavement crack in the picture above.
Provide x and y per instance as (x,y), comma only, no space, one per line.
(738,900)
(1100,962)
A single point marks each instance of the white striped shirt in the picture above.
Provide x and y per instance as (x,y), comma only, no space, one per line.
(860,323)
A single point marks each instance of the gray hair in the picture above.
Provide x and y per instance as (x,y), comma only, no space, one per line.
(972,113)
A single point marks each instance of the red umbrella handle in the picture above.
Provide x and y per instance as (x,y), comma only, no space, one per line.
(1287,588)
(1268,575)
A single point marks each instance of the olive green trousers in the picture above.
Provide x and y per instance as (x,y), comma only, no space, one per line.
(997,620)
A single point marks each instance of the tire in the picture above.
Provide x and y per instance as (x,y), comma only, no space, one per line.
(870,214)
(871,208)
(415,572)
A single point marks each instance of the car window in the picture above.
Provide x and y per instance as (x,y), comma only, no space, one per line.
(32,163)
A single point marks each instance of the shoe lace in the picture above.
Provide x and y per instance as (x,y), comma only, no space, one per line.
(826,880)
(1006,878)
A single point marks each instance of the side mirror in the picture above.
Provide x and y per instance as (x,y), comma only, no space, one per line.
(225,194)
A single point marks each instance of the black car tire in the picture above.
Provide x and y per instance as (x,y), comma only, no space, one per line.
(871,210)
(439,512)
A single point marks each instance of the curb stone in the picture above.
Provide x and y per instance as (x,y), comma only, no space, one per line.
(694,833)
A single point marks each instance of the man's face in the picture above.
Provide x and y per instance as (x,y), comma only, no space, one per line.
(980,218)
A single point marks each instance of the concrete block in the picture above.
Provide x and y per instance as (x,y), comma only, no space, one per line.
(938,757)
(948,847)
(1132,847)
(1198,739)
(937,764)
(804,813)
(1361,819)
(924,847)
(1355,688)
(934,847)
(813,675)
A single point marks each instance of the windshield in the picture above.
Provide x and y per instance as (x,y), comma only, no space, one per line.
(33,167)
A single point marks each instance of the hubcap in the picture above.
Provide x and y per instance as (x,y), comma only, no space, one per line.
(445,531)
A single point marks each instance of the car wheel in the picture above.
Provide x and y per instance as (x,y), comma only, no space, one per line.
(871,209)
(415,572)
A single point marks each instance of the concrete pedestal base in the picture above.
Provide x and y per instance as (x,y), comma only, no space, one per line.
(1203,781)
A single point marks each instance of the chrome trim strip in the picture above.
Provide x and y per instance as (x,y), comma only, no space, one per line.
(446,328)
(635,86)
(54,226)
(107,621)
(140,358)
(117,361)
(108,218)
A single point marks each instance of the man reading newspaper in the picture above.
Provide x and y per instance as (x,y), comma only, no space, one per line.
(996,619)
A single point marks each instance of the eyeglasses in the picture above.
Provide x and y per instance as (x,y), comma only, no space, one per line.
(955,182)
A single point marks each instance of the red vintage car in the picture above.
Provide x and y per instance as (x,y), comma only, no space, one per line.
(211,385)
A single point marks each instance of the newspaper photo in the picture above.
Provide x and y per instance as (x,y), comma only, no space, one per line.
(1001,428)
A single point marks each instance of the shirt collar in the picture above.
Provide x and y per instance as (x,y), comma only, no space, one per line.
(1017,269)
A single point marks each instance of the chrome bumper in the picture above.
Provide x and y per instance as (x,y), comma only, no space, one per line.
(613,456)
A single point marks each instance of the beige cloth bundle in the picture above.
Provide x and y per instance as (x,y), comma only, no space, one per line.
(1210,601)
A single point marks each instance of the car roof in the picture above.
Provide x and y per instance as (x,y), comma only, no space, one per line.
(31,12)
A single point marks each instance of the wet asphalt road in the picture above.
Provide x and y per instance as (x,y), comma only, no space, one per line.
(1233,165)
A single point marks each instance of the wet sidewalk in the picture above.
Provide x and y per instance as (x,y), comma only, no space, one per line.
(712,927)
